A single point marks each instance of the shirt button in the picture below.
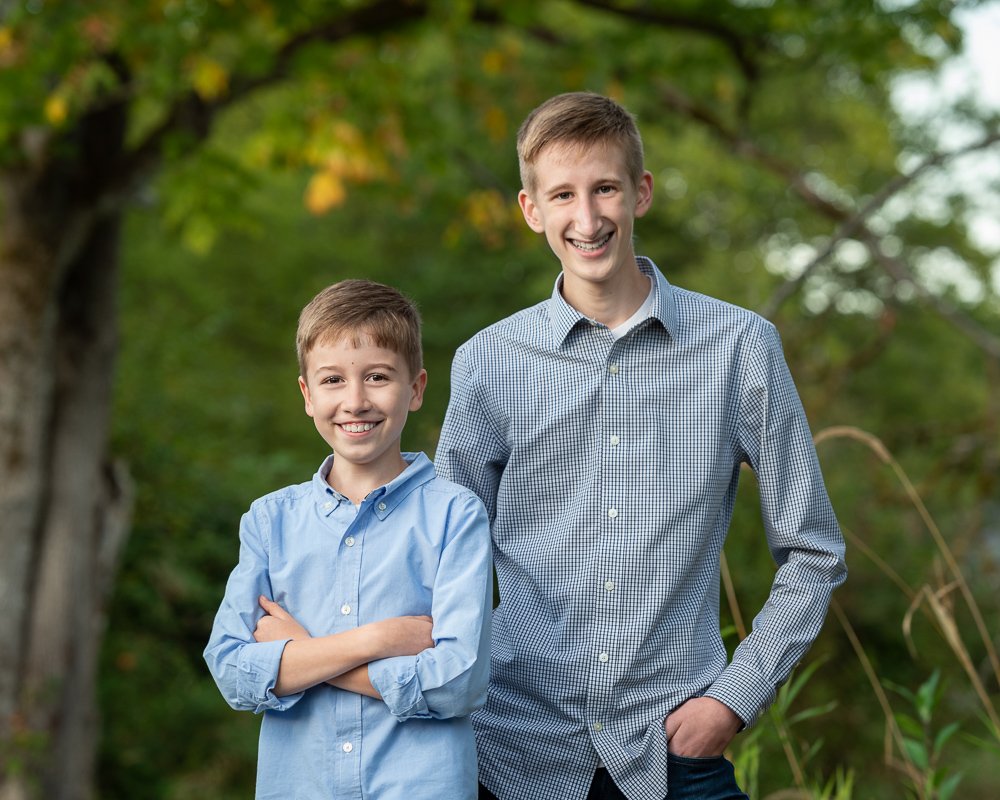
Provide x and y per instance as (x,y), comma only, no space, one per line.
(609,585)
(345,609)
(613,369)
(603,658)
(349,541)
(614,441)
(597,726)
(328,505)
(612,512)
(348,747)
(381,506)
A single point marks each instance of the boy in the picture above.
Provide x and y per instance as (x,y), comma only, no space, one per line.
(374,704)
(611,491)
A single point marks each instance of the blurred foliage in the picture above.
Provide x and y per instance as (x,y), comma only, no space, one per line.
(390,156)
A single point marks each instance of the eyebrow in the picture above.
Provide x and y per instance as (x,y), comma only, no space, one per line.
(567,187)
(379,367)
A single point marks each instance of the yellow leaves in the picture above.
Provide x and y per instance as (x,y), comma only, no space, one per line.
(325,191)
(81,84)
(56,109)
(10,49)
(494,219)
(341,154)
(209,78)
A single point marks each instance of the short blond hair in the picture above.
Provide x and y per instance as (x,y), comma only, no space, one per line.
(356,309)
(578,118)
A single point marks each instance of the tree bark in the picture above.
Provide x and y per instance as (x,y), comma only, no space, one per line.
(27,336)
(63,506)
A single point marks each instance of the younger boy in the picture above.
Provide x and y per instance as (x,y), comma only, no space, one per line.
(364,556)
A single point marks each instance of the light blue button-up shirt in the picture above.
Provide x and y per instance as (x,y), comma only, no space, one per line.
(609,470)
(419,545)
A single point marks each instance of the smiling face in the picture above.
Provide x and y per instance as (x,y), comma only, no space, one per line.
(359,395)
(585,202)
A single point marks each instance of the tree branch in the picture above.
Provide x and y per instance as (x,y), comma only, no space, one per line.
(193,115)
(855,223)
(900,272)
(851,224)
(740,45)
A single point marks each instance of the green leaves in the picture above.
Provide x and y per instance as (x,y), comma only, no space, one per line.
(923,746)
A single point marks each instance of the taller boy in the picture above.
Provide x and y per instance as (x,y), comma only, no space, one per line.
(605,429)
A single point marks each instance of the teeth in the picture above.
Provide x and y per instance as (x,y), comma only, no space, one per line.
(358,427)
(589,247)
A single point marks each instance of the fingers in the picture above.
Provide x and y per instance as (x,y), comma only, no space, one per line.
(272,608)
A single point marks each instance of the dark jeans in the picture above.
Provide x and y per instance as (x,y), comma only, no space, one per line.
(687,778)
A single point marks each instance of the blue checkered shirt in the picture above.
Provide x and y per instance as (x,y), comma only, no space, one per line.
(609,470)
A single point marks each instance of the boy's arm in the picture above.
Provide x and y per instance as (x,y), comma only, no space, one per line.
(471,450)
(450,679)
(802,533)
(272,671)
(273,627)
(307,661)
(244,670)
(357,681)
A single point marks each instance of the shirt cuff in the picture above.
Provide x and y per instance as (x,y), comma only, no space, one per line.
(744,691)
(396,680)
(257,674)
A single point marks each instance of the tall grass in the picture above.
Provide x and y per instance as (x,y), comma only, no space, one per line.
(914,742)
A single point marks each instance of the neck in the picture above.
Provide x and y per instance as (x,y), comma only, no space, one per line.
(357,481)
(610,302)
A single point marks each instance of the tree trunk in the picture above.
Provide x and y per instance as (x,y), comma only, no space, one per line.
(64,507)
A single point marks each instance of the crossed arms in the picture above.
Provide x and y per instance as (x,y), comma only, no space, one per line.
(340,659)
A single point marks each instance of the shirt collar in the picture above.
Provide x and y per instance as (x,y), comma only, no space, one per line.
(419,470)
(564,317)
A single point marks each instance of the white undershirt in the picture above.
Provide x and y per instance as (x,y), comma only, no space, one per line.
(641,313)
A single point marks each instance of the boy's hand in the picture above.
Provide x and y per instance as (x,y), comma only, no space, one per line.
(700,728)
(277,624)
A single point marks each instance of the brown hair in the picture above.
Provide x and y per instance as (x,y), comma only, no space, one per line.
(358,308)
(580,118)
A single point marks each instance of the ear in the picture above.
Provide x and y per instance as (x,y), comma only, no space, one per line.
(644,194)
(530,211)
(418,386)
(304,388)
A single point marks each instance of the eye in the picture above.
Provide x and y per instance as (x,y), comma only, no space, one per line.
(331,379)
(378,377)
(564,196)
(606,189)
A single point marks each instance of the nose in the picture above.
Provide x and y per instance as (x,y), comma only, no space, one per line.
(588,217)
(357,397)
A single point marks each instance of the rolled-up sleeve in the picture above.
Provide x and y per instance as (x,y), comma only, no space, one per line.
(449,680)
